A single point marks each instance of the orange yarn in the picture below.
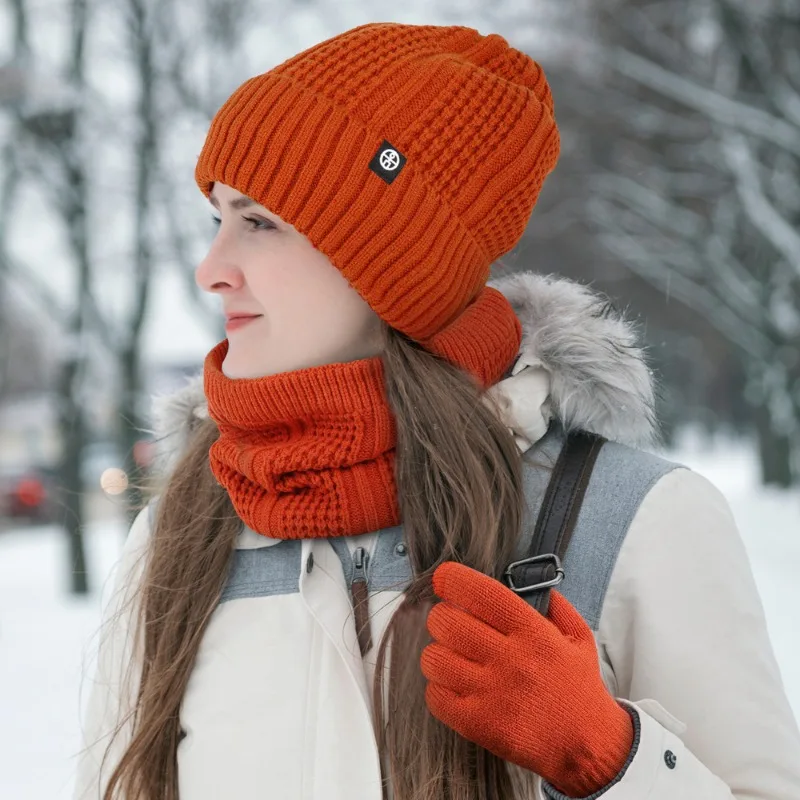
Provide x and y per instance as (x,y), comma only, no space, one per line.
(483,341)
(306,453)
(411,155)
(524,686)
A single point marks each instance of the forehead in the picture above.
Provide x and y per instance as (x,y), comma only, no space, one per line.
(230,196)
(223,190)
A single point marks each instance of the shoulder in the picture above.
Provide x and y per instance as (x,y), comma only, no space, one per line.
(130,564)
(686,495)
(683,517)
(682,570)
(137,538)
(673,524)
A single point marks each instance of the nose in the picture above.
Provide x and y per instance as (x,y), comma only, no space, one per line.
(218,272)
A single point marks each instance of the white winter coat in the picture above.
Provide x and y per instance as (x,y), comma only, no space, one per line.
(278,703)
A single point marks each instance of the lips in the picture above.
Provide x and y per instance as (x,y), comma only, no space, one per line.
(237,321)
(231,317)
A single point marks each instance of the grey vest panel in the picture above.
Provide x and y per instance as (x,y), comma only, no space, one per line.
(621,478)
(264,571)
(388,569)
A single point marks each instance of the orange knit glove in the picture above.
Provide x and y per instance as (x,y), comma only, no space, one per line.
(523,686)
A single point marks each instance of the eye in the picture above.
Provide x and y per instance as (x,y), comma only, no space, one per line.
(260,224)
(257,223)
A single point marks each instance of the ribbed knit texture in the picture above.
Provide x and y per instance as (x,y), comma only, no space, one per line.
(473,118)
(526,687)
(484,340)
(306,453)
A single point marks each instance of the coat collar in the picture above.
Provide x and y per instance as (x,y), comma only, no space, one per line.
(579,363)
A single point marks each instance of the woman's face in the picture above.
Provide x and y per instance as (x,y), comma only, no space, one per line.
(307,314)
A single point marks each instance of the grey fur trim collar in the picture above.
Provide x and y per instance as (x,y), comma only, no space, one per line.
(599,379)
(590,371)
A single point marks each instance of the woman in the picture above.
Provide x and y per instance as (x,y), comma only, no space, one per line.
(316,606)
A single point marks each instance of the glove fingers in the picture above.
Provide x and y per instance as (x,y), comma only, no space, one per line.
(447,706)
(482,596)
(463,633)
(449,670)
(567,619)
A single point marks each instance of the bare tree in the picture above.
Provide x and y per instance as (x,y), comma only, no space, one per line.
(51,130)
(98,158)
(697,189)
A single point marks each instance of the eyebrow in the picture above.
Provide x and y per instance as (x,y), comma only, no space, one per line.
(235,204)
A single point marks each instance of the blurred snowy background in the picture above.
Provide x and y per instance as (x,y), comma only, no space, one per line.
(678,194)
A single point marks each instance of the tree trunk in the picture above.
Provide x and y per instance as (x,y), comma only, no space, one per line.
(72,425)
(130,425)
(775,452)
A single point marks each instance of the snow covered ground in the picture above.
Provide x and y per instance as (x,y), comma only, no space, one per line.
(47,638)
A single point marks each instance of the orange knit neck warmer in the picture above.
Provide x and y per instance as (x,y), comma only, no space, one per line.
(307,453)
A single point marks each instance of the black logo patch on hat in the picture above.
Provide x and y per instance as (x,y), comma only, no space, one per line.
(387,162)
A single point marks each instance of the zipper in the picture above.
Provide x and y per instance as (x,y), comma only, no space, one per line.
(359,594)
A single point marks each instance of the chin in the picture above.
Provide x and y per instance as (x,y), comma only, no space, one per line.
(232,369)
(236,366)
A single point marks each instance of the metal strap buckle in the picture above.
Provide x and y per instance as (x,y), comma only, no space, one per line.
(534,587)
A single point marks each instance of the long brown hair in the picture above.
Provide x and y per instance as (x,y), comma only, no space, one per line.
(459,482)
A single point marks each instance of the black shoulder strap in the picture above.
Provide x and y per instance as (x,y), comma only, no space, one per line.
(534,575)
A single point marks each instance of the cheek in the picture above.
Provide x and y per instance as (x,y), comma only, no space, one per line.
(340,303)
(320,284)
(302,291)
(277,283)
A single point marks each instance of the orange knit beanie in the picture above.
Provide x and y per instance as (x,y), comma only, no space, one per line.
(412,157)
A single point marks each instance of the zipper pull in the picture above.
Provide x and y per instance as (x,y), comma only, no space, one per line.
(360,597)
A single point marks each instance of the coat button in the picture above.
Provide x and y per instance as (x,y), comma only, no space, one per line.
(670,759)
(401,549)
(310,562)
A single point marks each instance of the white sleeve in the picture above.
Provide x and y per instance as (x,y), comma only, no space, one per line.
(684,629)
(112,691)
